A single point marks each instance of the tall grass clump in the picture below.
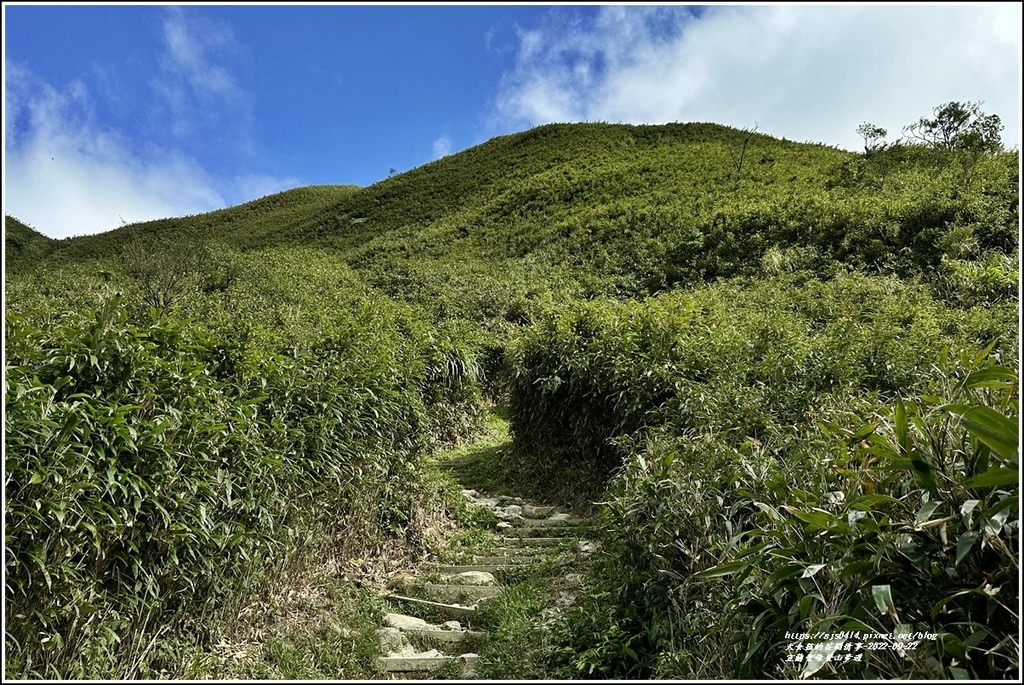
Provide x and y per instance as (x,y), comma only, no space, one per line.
(735,423)
(156,461)
(741,356)
(897,521)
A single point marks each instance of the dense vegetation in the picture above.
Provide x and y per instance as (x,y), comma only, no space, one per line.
(790,372)
(157,459)
(747,428)
(22,245)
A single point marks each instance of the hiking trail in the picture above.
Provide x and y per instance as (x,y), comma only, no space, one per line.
(439,621)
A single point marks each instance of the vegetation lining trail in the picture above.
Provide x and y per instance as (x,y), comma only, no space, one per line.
(479,607)
(790,373)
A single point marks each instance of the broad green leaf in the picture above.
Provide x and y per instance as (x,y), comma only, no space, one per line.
(811,570)
(926,511)
(980,357)
(865,502)
(994,478)
(952,645)
(784,572)
(880,445)
(821,519)
(882,595)
(817,658)
(1011,502)
(992,377)
(863,432)
(900,424)
(976,638)
(725,569)
(965,543)
(925,476)
(856,568)
(967,507)
(994,523)
(1000,433)
(771,511)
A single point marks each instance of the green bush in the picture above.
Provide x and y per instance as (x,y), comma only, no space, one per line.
(716,419)
(910,525)
(154,462)
(892,523)
(737,357)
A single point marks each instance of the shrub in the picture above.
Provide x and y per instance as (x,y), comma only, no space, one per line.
(736,357)
(155,462)
(729,425)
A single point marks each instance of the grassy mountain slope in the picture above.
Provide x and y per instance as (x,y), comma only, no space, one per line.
(548,172)
(23,245)
(616,209)
(253,224)
(789,373)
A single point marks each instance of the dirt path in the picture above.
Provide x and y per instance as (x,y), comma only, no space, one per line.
(443,615)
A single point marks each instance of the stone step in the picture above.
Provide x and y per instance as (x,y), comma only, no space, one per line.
(538,511)
(534,542)
(405,623)
(548,523)
(518,551)
(449,569)
(404,664)
(501,562)
(470,578)
(443,639)
(452,610)
(460,594)
(543,531)
(413,630)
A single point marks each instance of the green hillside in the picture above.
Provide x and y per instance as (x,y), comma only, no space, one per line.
(23,245)
(270,220)
(517,178)
(604,209)
(785,376)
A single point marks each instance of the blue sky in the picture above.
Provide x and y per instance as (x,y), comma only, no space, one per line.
(126,113)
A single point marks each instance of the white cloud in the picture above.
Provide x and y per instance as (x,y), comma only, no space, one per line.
(442,147)
(803,72)
(65,174)
(197,89)
(188,41)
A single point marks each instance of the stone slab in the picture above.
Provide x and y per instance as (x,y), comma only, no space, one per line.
(449,609)
(403,622)
(534,542)
(460,594)
(433,636)
(471,578)
(391,664)
(485,568)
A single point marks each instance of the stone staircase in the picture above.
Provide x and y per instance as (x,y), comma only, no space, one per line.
(440,627)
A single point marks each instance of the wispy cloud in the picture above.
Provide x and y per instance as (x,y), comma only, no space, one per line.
(442,147)
(804,72)
(69,173)
(189,42)
(66,175)
(197,89)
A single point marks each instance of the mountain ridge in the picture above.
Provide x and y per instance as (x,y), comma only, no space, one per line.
(614,208)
